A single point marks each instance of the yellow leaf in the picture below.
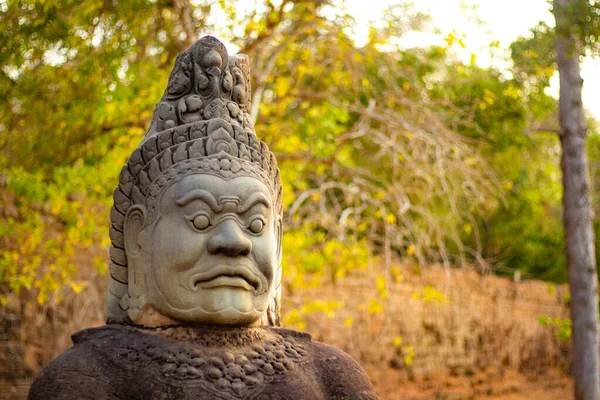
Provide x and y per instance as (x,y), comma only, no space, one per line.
(396,274)
(375,307)
(281,86)
(468,228)
(450,39)
(77,287)
(301,70)
(105,242)
(397,341)
(489,93)
(390,218)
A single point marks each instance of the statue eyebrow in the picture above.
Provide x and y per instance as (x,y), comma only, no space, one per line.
(255,198)
(200,194)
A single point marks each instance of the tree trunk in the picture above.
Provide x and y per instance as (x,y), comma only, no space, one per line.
(577,212)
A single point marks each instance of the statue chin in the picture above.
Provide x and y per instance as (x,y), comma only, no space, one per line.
(222,306)
(150,317)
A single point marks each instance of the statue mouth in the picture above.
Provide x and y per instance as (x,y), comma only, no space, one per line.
(235,276)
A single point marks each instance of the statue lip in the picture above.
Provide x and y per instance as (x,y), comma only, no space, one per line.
(222,275)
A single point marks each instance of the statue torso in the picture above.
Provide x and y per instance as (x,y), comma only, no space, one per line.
(124,362)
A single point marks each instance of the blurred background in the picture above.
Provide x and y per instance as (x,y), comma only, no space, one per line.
(420,162)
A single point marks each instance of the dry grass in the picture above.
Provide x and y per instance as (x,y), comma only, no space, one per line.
(479,339)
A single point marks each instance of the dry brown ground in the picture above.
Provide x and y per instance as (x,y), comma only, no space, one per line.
(503,384)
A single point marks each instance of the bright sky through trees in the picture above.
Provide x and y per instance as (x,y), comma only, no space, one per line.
(481,22)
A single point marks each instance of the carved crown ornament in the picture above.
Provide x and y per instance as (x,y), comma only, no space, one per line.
(200,126)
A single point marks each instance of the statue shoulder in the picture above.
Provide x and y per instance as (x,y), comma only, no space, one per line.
(81,372)
(341,376)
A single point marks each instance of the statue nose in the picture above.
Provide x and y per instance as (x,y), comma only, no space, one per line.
(229,240)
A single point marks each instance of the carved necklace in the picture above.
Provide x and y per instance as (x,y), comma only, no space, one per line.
(230,363)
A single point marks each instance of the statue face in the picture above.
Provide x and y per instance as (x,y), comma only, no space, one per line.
(212,254)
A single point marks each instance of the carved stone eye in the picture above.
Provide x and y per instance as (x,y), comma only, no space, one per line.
(201,222)
(257,226)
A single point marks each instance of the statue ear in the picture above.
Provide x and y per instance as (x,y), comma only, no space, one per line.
(135,220)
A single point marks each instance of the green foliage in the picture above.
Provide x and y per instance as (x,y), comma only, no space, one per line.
(383,152)
(57,217)
(71,75)
(561,326)
(502,114)
(535,57)
(378,160)
(582,18)
(296,317)
(309,256)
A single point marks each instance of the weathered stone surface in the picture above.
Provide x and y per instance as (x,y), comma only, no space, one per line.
(123,362)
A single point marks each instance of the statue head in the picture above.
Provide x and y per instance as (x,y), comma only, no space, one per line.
(196,221)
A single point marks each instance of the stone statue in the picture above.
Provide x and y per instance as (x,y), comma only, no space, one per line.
(195,274)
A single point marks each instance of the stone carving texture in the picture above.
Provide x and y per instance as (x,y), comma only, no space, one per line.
(233,372)
(202,115)
(125,362)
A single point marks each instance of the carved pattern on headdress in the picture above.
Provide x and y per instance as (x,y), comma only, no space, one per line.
(201,125)
(206,83)
(221,165)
